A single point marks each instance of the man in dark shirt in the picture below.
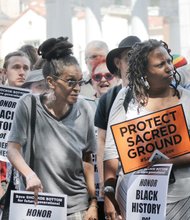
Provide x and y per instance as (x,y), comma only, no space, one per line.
(116,61)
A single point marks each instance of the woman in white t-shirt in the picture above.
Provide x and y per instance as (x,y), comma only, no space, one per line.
(150,75)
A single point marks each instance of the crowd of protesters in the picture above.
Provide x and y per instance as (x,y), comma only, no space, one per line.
(74,113)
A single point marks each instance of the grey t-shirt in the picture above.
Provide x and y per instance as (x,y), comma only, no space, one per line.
(58,148)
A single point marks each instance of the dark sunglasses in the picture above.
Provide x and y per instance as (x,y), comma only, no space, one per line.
(98,76)
(72,83)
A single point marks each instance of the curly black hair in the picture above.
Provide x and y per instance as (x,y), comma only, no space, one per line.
(137,68)
(58,53)
(55,48)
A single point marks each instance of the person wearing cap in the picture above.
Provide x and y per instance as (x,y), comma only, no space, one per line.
(179,60)
(116,61)
(35,81)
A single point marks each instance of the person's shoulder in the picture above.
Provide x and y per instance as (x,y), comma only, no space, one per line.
(184,72)
(87,90)
(103,97)
(184,91)
(120,100)
(184,95)
(26,97)
(122,93)
(87,98)
(27,101)
(88,102)
(115,89)
(184,69)
(111,93)
(84,101)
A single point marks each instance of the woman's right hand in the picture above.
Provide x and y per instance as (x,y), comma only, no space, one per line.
(33,183)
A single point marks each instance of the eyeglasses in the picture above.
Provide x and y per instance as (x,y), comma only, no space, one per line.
(98,76)
(72,83)
(93,57)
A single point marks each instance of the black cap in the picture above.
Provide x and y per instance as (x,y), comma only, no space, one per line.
(127,42)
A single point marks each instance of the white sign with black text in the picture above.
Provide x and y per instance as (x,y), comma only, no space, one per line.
(147,193)
(49,206)
(9,97)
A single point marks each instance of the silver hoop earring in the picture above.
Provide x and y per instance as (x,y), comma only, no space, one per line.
(145,82)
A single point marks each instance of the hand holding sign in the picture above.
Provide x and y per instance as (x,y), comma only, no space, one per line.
(33,183)
(49,206)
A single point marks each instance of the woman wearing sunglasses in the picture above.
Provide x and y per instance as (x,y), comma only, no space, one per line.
(64,136)
(102,79)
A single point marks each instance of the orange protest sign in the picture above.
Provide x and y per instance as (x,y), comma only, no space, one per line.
(136,139)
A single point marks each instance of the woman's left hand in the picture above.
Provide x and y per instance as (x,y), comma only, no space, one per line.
(92,213)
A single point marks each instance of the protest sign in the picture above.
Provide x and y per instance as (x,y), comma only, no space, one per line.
(49,206)
(147,193)
(9,97)
(137,139)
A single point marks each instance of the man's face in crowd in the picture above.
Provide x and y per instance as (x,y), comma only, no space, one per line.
(92,56)
(16,70)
